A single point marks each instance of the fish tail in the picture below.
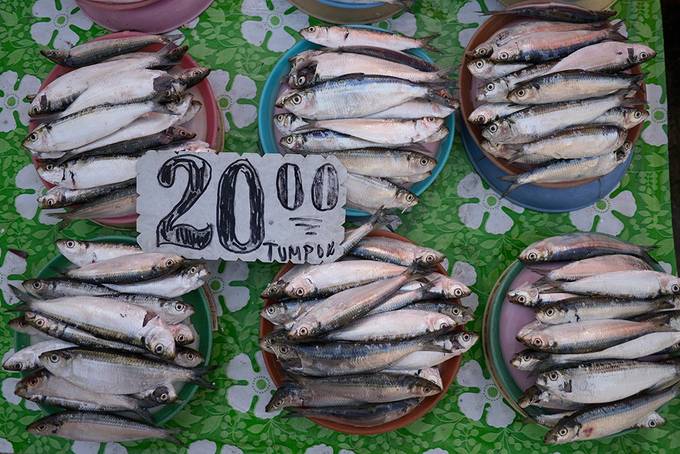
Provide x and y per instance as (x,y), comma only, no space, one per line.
(144,415)
(425,42)
(172,37)
(644,254)
(170,53)
(21,308)
(543,280)
(22,295)
(512,179)
(171,436)
(440,96)
(198,379)
(617,32)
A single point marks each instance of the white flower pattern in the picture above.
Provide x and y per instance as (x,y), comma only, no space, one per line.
(436,451)
(14,99)
(273,22)
(92,447)
(210,447)
(60,21)
(6,446)
(471,13)
(404,24)
(26,204)
(472,214)
(234,298)
(12,265)
(242,88)
(259,385)
(472,404)
(624,203)
(654,134)
(465,273)
(325,449)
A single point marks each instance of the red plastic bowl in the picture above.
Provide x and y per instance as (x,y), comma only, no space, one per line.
(448,371)
(207,124)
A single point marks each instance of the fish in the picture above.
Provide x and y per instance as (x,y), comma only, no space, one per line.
(368,415)
(127,269)
(418,108)
(557,11)
(324,140)
(639,347)
(284,313)
(624,284)
(350,390)
(98,427)
(287,122)
(182,333)
(580,245)
(345,306)
(338,37)
(83,253)
(58,197)
(607,56)
(88,125)
(185,280)
(109,319)
(160,395)
(402,299)
(430,373)
(438,284)
(486,113)
(497,90)
(368,194)
(389,55)
(551,419)
(606,381)
(538,121)
(423,359)
(191,146)
(117,372)
(571,169)
(574,143)
(535,296)
(485,69)
(27,357)
(58,287)
(394,325)
(385,163)
(88,173)
(118,204)
(353,236)
(44,388)
(588,308)
(608,419)
(534,396)
(328,100)
(456,312)
(65,89)
(97,51)
(622,117)
(396,251)
(587,336)
(188,357)
(571,85)
(595,265)
(20,325)
(348,358)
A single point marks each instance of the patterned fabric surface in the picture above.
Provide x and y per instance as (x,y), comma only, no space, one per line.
(241,40)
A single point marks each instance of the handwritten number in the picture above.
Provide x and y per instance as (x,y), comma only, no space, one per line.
(185,235)
(325,188)
(282,181)
(226,208)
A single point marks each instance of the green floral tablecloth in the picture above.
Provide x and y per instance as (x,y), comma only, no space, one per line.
(241,41)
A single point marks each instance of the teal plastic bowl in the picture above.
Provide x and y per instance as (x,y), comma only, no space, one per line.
(201,321)
(271,90)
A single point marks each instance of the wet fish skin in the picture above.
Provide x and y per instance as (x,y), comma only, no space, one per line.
(362,416)
(339,37)
(492,111)
(587,308)
(486,69)
(456,312)
(389,55)
(496,90)
(353,236)
(386,131)
(607,56)
(27,357)
(625,284)
(325,140)
(186,279)
(578,246)
(369,193)
(385,163)
(97,51)
(98,427)
(57,197)
(622,117)
(558,11)
(396,251)
(534,296)
(120,203)
(58,287)
(418,108)
(91,172)
(85,252)
(128,269)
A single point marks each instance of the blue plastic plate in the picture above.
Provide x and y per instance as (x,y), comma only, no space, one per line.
(537,198)
(271,90)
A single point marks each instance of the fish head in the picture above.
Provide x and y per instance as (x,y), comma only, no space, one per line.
(300,101)
(293,141)
(481,115)
(50,199)
(531,396)
(483,50)
(192,76)
(524,94)
(448,287)
(534,254)
(299,288)
(406,199)
(32,384)
(423,387)
(466,339)
(177,310)
(284,351)
(526,296)
(429,257)
(494,90)
(45,426)
(39,139)
(288,395)
(19,325)
(506,53)
(633,116)
(282,97)
(670,285)
(182,334)
(36,287)
(194,274)
(458,313)
(175,133)
(59,362)
(552,314)
(495,149)
(622,153)
(274,289)
(163,394)
(303,329)
(72,247)
(19,361)
(439,322)
(553,379)
(315,33)
(160,342)
(56,55)
(528,360)
(187,357)
(284,121)
(639,53)
(498,131)
(536,340)
(652,420)
(275,313)
(40,322)
(304,77)
(565,431)
(170,262)
(420,162)
(479,67)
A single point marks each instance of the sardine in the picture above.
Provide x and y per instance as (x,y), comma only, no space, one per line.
(58,197)
(90,172)
(597,265)
(486,69)
(418,108)
(624,284)
(388,55)
(385,163)
(551,419)
(386,131)
(369,194)
(353,236)
(588,308)
(497,90)
(338,36)
(326,141)
(118,204)
(82,253)
(396,251)
(577,246)
(424,359)
(93,52)
(188,357)
(535,296)
(287,122)
(490,112)
(622,117)
(58,287)
(187,279)
(368,415)
(20,325)
(127,269)
(27,357)
(456,312)
(557,11)
(608,56)
(534,396)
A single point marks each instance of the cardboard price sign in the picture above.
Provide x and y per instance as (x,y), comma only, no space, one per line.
(273,208)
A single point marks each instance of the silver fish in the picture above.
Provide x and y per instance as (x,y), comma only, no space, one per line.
(99,427)
(122,202)
(535,296)
(418,108)
(284,313)
(90,172)
(486,69)
(128,269)
(456,312)
(302,59)
(425,359)
(624,284)
(557,11)
(27,357)
(82,253)
(596,265)
(534,396)
(386,131)
(385,163)
(396,251)
(551,419)
(58,197)
(57,287)
(160,395)
(187,279)
(622,117)
(497,90)
(577,246)
(188,357)
(587,308)
(490,112)
(608,56)
(368,415)
(324,140)
(353,236)
(338,36)
(369,194)
(287,122)
(20,325)
(402,299)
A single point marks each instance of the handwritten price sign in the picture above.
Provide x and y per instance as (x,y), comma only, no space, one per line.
(248,207)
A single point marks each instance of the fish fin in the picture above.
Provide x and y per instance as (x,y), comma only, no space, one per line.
(22,295)
(197,374)
(67,157)
(542,280)
(172,37)
(439,95)
(171,436)
(426,40)
(20,308)
(170,53)
(617,32)
(512,179)
(144,415)
(163,108)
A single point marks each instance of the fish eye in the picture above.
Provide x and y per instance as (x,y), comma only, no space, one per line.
(521,299)
(40,322)
(652,423)
(481,119)
(301,80)
(169,262)
(553,376)
(456,311)
(493,129)
(479,63)
(532,255)
(521,93)
(158,349)
(290,140)
(311,29)
(424,162)
(429,259)
(180,338)
(179,307)
(637,114)
(42,427)
(280,117)
(410,198)
(675,288)
(643,55)
(37,284)
(284,349)
(33,137)
(503,55)
(193,270)
(444,325)
(54,358)
(457,292)
(550,312)
(33,381)
(537,342)
(303,331)
(163,397)
(296,99)
(430,119)
(190,356)
(563,431)
(270,310)
(490,86)
(526,357)
(50,202)
(465,337)
(49,167)
(70,244)
(300,292)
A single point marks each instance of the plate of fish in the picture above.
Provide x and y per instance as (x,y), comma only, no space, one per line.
(578,334)
(371,98)
(105,104)
(352,11)
(77,353)
(552,98)
(369,344)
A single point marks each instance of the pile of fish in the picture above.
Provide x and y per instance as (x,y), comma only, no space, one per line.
(360,340)
(98,119)
(109,337)
(599,348)
(363,99)
(556,95)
